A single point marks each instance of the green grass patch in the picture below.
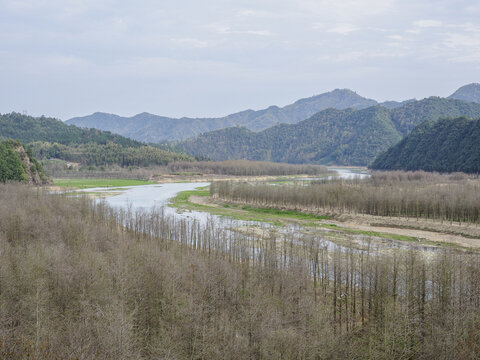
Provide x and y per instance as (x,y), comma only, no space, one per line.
(184,195)
(181,200)
(285,213)
(94,183)
(247,213)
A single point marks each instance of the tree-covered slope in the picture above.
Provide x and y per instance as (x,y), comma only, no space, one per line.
(28,129)
(469,93)
(407,117)
(446,145)
(331,136)
(152,128)
(18,164)
(51,138)
(342,137)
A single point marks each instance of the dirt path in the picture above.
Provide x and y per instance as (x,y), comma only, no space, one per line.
(419,234)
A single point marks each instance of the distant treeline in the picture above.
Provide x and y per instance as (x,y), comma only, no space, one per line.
(246,168)
(107,154)
(447,145)
(75,283)
(187,168)
(416,195)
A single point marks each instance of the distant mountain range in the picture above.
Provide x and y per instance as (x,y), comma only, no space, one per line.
(338,127)
(468,93)
(153,128)
(341,137)
(446,145)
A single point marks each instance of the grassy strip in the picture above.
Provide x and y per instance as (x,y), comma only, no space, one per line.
(181,202)
(292,214)
(94,183)
(246,213)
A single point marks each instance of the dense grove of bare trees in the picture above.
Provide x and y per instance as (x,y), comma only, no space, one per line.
(453,197)
(76,284)
(247,168)
(232,167)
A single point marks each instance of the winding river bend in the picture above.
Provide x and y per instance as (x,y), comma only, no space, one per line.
(158,196)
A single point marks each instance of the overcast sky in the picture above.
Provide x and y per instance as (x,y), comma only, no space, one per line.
(66,58)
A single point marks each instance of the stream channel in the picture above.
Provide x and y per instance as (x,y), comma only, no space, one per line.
(156,196)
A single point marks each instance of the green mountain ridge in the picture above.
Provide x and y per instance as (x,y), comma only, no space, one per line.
(51,138)
(340,137)
(447,145)
(28,129)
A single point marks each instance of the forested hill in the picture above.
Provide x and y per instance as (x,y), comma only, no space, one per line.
(331,136)
(152,128)
(51,138)
(447,145)
(407,117)
(28,129)
(341,137)
(18,164)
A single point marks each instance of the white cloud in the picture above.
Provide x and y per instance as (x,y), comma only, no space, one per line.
(343,29)
(226,30)
(427,23)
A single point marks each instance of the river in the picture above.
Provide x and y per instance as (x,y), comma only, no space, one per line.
(159,195)
(156,196)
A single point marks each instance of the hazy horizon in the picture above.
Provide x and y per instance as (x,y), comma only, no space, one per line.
(73,58)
